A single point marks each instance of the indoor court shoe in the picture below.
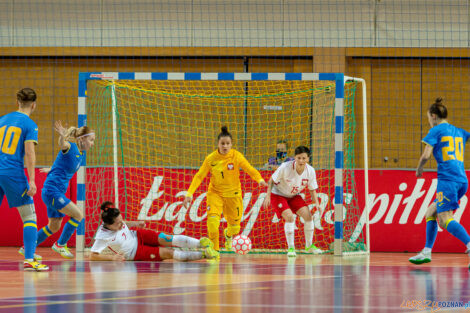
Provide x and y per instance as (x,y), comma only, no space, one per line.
(420,258)
(291,253)
(63,251)
(205,242)
(208,245)
(35,266)
(313,249)
(228,241)
(37,257)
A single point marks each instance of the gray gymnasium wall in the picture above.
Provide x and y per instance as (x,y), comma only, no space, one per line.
(223,23)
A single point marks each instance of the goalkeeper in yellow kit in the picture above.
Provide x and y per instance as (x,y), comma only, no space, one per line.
(225,192)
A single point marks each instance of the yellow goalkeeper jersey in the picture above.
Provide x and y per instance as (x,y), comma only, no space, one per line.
(225,173)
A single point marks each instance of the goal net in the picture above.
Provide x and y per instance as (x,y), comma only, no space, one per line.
(153,131)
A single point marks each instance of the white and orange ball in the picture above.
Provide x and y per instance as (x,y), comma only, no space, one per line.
(241,244)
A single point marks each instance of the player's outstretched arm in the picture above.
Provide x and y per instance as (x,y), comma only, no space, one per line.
(267,198)
(187,201)
(103,257)
(316,203)
(138,224)
(423,159)
(251,171)
(197,180)
(30,162)
(63,144)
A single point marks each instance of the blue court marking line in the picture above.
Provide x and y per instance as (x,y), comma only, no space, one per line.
(46,303)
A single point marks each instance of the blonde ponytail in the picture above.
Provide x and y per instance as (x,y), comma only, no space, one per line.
(71,133)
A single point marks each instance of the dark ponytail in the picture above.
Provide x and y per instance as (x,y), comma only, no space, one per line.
(109,213)
(224,133)
(438,109)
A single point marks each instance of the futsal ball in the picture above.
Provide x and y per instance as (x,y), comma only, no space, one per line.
(241,244)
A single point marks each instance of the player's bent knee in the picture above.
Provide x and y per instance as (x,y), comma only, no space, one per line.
(165,253)
(54,228)
(444,218)
(289,217)
(54,224)
(27,212)
(443,222)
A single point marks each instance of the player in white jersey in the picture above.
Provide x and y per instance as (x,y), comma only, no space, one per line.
(142,244)
(284,197)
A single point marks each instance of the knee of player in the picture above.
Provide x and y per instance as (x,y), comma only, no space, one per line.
(308,220)
(431,216)
(289,218)
(27,213)
(308,217)
(166,253)
(444,221)
(54,227)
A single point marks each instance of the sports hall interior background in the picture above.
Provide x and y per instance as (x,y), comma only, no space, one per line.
(408,51)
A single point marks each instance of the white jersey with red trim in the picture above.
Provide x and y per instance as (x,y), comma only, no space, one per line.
(288,183)
(123,241)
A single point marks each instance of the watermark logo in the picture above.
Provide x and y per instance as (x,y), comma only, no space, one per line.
(434,306)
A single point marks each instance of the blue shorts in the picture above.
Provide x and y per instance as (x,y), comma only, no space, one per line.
(54,202)
(15,188)
(448,194)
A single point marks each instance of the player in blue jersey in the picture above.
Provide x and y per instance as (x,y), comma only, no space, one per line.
(18,137)
(447,143)
(66,164)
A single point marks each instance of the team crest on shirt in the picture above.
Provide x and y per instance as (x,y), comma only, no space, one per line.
(304,182)
(280,205)
(230,166)
(61,200)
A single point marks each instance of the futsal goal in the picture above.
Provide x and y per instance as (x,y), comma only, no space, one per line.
(153,131)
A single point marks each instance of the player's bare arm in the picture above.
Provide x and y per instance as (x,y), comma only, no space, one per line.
(423,159)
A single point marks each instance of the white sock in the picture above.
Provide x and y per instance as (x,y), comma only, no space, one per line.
(289,230)
(308,230)
(187,255)
(185,242)
(427,250)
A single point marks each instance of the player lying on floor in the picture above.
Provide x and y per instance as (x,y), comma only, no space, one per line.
(142,244)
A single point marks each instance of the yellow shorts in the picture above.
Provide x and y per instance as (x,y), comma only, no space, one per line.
(232,207)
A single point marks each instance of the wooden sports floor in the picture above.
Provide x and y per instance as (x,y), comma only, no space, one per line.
(381,282)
